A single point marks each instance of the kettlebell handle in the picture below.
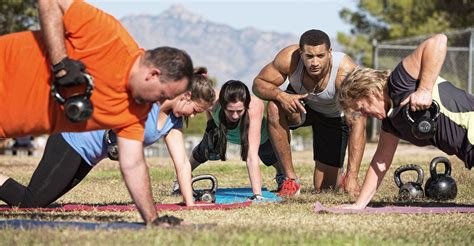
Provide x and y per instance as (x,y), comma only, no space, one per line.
(400,170)
(87,93)
(434,106)
(210,177)
(436,161)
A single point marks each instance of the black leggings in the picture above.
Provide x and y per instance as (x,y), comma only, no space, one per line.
(60,170)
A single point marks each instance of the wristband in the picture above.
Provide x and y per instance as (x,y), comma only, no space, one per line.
(59,66)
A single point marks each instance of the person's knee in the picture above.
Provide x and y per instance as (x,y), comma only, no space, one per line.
(198,155)
(32,200)
(325,176)
(273,112)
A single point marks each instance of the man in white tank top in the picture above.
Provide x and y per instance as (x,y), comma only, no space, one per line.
(314,73)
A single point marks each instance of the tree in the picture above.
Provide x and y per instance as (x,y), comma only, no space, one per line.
(392,19)
(17,15)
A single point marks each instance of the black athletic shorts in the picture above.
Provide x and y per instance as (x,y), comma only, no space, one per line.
(330,136)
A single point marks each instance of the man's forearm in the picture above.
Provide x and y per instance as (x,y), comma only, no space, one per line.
(357,140)
(51,20)
(138,183)
(379,166)
(265,90)
(433,57)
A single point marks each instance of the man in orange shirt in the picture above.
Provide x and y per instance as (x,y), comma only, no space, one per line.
(76,37)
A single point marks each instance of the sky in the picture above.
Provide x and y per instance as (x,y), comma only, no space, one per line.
(267,15)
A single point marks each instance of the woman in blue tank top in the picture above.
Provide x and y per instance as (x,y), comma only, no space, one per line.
(68,157)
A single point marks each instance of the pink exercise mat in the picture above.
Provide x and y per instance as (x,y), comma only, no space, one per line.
(319,208)
(130,207)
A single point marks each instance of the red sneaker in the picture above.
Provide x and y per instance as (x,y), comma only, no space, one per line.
(280,179)
(290,187)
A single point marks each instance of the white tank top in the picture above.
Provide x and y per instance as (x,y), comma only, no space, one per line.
(325,101)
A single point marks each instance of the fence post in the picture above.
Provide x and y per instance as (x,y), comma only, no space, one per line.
(375,62)
(469,75)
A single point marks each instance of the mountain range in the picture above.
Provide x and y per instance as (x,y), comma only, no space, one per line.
(227,52)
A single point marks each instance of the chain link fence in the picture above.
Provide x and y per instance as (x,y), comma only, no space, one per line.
(458,66)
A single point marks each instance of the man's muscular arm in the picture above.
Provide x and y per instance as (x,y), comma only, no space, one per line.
(425,64)
(51,14)
(137,178)
(357,136)
(356,146)
(266,84)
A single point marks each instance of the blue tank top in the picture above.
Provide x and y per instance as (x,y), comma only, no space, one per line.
(92,147)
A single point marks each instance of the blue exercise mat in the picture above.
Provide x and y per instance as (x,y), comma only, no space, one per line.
(233,195)
(30,224)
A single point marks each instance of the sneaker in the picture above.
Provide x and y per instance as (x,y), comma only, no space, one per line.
(290,187)
(175,189)
(279,179)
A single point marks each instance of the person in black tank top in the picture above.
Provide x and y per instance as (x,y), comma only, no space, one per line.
(413,87)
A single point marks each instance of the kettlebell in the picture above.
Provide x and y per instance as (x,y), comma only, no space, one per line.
(423,127)
(441,186)
(409,190)
(205,195)
(77,108)
(110,140)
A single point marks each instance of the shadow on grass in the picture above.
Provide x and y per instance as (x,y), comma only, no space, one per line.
(418,204)
(55,216)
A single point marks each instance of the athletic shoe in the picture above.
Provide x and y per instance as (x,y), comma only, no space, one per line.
(279,179)
(175,189)
(290,187)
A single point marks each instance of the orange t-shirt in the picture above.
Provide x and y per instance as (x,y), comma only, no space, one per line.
(108,52)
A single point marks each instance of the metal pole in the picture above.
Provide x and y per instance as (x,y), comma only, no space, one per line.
(375,61)
(469,75)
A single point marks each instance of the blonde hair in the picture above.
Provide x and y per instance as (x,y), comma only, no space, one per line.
(361,83)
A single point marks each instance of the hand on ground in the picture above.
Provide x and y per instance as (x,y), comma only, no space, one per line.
(349,206)
(351,186)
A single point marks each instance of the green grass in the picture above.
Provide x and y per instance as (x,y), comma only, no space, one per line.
(289,222)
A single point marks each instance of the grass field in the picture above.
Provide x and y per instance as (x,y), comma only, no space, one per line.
(289,222)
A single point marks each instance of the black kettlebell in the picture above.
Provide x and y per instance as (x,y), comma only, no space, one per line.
(409,190)
(77,108)
(441,186)
(205,195)
(423,126)
(110,140)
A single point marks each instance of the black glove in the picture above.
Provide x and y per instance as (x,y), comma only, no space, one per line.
(110,139)
(74,72)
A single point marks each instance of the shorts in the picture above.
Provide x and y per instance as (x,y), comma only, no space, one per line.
(330,137)
(208,148)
